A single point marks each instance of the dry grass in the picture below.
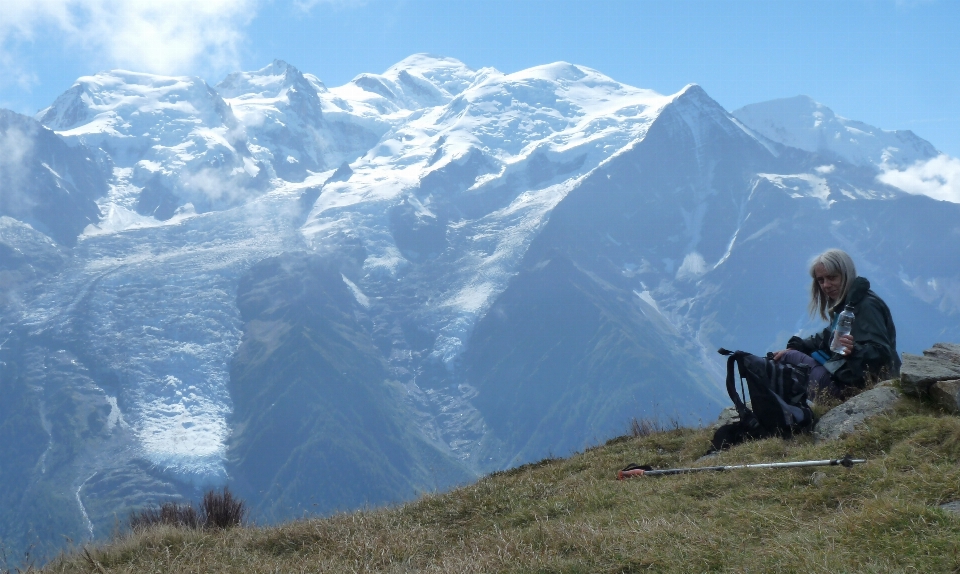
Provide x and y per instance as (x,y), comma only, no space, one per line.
(571,515)
(217,510)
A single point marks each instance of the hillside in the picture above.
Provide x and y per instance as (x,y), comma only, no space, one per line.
(571,515)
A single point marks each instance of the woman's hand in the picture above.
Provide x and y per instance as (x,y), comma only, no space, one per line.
(779,354)
(846,342)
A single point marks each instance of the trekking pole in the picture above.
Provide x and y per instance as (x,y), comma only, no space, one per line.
(636,470)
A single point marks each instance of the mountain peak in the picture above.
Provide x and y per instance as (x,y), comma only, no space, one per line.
(448,75)
(804,123)
(267,82)
(96,102)
(694,94)
(556,71)
(428,63)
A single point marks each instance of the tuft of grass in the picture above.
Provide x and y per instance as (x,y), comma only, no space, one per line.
(646,426)
(27,563)
(571,515)
(217,510)
(170,513)
(222,509)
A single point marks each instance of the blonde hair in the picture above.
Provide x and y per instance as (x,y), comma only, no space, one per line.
(834,261)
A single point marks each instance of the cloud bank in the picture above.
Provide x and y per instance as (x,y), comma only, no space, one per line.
(165,37)
(938,178)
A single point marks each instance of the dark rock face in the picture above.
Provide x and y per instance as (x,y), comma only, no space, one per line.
(45,182)
(562,359)
(26,256)
(156,200)
(317,420)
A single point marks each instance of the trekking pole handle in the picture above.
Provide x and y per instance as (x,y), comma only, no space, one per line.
(625,474)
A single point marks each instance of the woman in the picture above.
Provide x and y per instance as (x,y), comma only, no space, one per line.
(870,349)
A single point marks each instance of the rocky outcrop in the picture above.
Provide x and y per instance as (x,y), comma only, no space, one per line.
(948,353)
(920,372)
(847,417)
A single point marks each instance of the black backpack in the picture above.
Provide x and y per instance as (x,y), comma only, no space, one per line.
(778,394)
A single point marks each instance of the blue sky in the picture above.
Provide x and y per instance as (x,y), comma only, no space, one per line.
(893,64)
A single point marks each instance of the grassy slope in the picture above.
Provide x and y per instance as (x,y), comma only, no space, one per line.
(572,516)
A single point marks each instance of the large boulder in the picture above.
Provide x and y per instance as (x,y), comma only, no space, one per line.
(847,417)
(939,363)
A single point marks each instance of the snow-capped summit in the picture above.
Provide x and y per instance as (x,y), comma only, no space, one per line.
(172,141)
(126,104)
(294,125)
(267,82)
(449,75)
(803,123)
(416,82)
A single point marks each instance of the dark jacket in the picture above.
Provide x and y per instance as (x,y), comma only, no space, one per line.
(874,339)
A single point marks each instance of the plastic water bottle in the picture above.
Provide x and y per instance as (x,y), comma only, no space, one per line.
(844,326)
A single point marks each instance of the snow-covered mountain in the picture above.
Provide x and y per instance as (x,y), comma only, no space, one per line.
(169,142)
(805,124)
(332,297)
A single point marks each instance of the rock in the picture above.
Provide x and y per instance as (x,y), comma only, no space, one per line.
(846,417)
(947,395)
(817,478)
(918,372)
(951,507)
(708,456)
(727,416)
(946,352)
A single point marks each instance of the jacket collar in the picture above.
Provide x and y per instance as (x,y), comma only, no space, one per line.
(856,293)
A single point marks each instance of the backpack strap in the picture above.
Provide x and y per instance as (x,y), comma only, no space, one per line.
(732,360)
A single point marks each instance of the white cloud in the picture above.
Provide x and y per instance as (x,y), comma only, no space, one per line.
(169,36)
(938,178)
(15,146)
